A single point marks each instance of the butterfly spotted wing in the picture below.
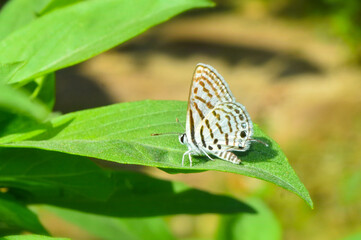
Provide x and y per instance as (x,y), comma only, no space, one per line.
(226,128)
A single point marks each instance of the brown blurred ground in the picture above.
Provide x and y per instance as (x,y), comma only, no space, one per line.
(296,83)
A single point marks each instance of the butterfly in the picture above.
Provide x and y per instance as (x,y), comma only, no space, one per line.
(216,124)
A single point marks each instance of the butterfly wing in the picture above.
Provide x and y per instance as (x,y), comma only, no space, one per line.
(226,128)
(208,89)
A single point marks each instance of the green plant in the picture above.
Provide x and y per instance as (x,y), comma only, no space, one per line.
(44,157)
(338,17)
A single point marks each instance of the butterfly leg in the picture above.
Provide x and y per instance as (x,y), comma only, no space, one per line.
(228,156)
(190,158)
(189,155)
(206,154)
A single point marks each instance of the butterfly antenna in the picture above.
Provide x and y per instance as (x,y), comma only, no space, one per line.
(259,141)
(177,120)
(169,133)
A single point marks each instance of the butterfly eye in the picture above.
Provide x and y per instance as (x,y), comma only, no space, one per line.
(181,138)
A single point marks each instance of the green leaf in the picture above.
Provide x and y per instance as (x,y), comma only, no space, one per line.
(17,101)
(51,5)
(122,133)
(42,89)
(45,90)
(262,225)
(31,237)
(72,34)
(15,127)
(75,182)
(350,184)
(111,227)
(14,15)
(7,70)
(52,175)
(19,13)
(13,214)
(138,195)
(355,236)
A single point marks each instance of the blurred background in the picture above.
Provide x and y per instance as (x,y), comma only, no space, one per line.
(294,64)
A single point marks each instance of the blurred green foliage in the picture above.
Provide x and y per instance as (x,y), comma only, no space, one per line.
(247,226)
(343,17)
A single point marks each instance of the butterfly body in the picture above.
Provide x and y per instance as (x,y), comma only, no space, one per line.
(216,124)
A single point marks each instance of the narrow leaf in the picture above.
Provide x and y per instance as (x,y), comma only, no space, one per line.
(42,89)
(16,215)
(17,127)
(122,133)
(45,90)
(72,34)
(31,237)
(17,101)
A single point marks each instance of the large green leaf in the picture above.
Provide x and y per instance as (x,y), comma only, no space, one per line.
(74,33)
(13,214)
(247,226)
(111,228)
(122,133)
(75,182)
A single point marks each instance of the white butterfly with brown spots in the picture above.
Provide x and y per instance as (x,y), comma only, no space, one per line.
(216,124)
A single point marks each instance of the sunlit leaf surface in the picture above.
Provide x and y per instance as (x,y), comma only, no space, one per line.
(122,133)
